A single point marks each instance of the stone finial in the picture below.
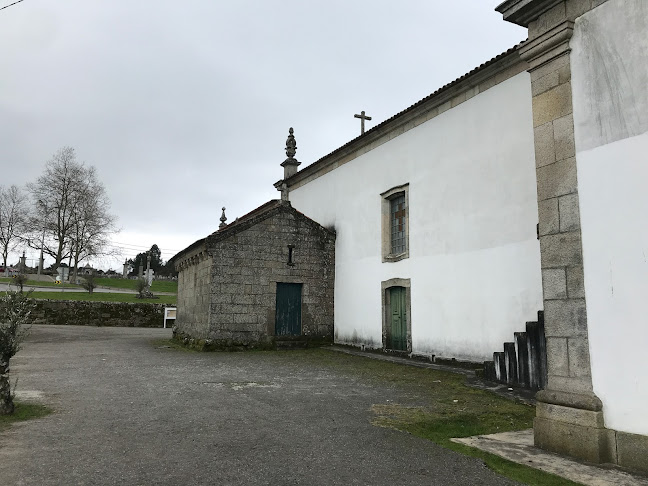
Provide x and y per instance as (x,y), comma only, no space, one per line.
(291,144)
(223,218)
(291,163)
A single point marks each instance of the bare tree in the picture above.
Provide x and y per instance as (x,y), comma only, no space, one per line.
(13,219)
(71,208)
(92,221)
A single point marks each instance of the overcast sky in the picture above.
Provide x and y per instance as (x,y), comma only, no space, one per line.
(184,107)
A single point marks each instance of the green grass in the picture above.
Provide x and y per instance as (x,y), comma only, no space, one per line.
(169,286)
(37,283)
(125,283)
(439,406)
(24,411)
(103,297)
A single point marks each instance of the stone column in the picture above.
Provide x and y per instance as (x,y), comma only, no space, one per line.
(569,417)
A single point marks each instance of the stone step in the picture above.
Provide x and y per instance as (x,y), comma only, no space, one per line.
(523,363)
(292,343)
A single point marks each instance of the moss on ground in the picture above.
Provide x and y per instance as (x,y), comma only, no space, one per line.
(24,411)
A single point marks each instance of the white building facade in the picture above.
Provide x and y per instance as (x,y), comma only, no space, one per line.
(468,255)
(610,93)
(438,252)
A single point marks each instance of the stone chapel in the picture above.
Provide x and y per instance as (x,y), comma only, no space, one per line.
(519,187)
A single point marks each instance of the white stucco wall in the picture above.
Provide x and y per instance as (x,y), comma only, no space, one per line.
(610,93)
(474,258)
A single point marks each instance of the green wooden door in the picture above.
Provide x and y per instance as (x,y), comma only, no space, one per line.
(288,310)
(398,318)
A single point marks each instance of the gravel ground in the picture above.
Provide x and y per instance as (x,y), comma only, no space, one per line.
(129,412)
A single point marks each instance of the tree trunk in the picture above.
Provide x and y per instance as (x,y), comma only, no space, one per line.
(6,400)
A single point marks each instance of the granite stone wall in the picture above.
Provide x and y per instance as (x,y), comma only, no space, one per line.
(233,306)
(111,314)
(194,294)
(247,267)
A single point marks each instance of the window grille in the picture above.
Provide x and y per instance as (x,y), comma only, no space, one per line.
(397,217)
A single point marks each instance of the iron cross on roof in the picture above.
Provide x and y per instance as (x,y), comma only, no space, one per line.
(362,117)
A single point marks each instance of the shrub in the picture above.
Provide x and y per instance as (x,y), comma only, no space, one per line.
(89,282)
(20,280)
(15,308)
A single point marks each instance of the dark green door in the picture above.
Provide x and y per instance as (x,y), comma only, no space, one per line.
(398,318)
(288,311)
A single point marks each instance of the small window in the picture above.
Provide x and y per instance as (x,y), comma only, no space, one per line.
(397,219)
(395,224)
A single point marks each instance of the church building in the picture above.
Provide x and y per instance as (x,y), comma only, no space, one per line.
(263,281)
(520,187)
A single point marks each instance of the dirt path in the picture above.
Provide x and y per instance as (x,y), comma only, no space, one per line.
(129,412)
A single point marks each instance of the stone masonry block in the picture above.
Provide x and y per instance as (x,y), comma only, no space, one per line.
(545,152)
(557,357)
(432,113)
(472,92)
(569,384)
(632,450)
(586,443)
(457,100)
(585,418)
(564,137)
(444,107)
(556,64)
(564,74)
(549,19)
(576,8)
(575,282)
(565,318)
(545,83)
(245,319)
(553,104)
(579,358)
(554,283)
(487,84)
(557,179)
(561,250)
(568,207)
(548,219)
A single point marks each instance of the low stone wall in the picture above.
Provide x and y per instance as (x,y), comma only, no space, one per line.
(111,314)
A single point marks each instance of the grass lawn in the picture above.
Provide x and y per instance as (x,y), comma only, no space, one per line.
(103,297)
(126,283)
(24,411)
(439,407)
(37,283)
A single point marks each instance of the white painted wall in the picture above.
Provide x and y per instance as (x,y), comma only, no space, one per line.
(610,93)
(474,259)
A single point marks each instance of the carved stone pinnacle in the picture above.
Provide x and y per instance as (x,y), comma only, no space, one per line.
(291,144)
(223,218)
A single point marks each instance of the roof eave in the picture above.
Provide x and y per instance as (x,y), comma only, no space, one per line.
(523,12)
(438,98)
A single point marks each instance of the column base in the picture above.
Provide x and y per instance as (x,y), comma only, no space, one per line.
(572,424)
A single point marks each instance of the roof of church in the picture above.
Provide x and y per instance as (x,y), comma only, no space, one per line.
(257,215)
(247,220)
(368,134)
